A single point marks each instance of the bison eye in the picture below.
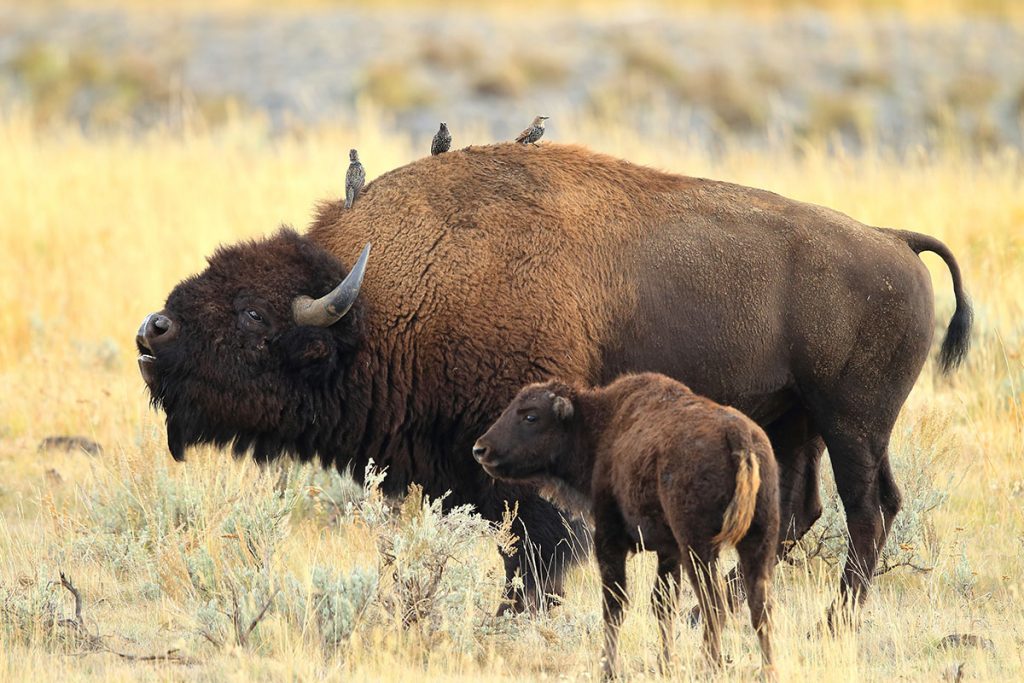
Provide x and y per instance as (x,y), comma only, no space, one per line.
(254,315)
(530,418)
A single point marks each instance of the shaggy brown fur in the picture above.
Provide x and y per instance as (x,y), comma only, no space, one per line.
(656,467)
(506,264)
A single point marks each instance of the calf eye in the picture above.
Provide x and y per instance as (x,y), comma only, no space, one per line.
(530,418)
(254,315)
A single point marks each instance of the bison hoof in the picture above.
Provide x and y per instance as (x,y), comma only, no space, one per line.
(518,605)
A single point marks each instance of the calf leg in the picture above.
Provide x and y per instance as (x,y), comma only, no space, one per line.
(611,560)
(663,600)
(700,567)
(611,548)
(757,559)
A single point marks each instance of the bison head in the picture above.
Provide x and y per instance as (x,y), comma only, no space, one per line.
(242,353)
(531,435)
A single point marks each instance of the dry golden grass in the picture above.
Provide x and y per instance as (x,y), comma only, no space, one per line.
(96,232)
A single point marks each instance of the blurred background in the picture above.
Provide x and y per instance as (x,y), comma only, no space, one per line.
(903,74)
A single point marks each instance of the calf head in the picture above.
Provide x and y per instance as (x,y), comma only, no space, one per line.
(531,436)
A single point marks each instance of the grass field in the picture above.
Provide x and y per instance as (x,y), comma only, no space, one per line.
(183,557)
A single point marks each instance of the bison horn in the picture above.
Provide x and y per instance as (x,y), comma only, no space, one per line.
(332,307)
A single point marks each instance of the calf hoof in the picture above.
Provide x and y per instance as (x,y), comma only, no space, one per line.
(822,629)
(841,617)
(693,617)
(608,672)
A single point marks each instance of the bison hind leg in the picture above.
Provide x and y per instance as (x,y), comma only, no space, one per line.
(871,500)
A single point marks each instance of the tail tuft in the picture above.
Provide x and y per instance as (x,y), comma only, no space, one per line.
(740,513)
(957,341)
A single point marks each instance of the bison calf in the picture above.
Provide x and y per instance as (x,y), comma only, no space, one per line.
(653,465)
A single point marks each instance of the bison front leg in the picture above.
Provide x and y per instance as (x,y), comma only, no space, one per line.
(548,545)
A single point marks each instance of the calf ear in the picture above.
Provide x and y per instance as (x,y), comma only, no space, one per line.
(562,407)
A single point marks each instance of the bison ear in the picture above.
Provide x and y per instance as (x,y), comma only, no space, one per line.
(315,351)
(309,348)
(562,407)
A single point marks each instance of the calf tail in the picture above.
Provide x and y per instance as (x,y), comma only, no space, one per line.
(740,513)
(958,333)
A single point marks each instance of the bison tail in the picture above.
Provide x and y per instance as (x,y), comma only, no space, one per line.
(958,333)
(740,513)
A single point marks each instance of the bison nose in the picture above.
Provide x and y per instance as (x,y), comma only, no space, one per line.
(156,329)
(479,451)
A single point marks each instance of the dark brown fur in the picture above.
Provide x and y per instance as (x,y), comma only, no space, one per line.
(500,265)
(656,467)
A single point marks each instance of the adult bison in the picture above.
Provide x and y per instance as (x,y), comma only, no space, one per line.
(501,265)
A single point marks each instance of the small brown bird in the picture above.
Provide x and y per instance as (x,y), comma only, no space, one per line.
(442,141)
(533,132)
(354,179)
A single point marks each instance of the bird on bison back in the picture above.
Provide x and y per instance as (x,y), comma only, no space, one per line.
(532,133)
(442,141)
(354,178)
(815,325)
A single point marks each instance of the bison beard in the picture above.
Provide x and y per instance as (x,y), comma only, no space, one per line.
(498,266)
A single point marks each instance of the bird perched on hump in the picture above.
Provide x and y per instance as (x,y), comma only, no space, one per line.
(354,179)
(442,140)
(533,132)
